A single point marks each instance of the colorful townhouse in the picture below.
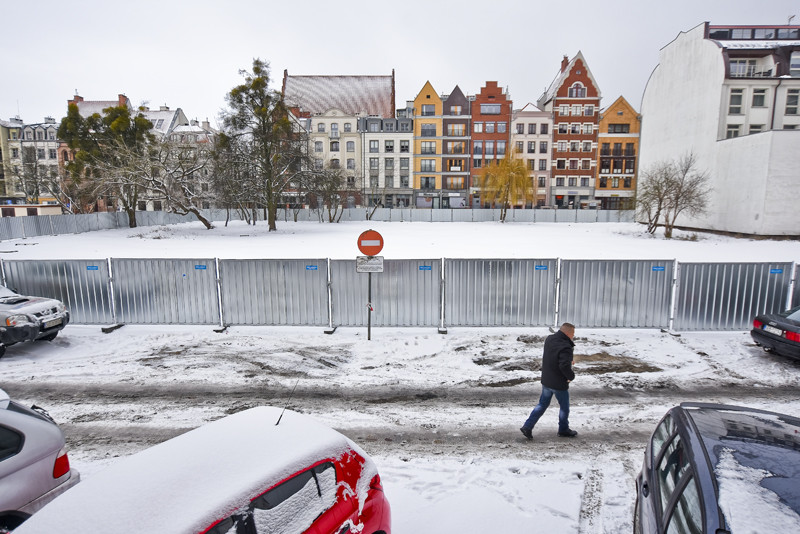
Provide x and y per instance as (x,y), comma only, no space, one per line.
(491,124)
(618,139)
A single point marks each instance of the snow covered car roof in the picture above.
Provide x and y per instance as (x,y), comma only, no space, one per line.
(187,483)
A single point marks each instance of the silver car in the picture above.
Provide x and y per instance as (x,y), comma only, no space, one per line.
(25,318)
(34,467)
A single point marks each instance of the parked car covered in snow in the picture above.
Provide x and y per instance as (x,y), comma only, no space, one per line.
(261,470)
(34,467)
(25,318)
(716,469)
(778,332)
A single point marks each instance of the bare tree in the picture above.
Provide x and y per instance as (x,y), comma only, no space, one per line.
(671,188)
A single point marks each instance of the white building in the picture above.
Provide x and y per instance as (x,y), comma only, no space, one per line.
(531,138)
(729,94)
(388,161)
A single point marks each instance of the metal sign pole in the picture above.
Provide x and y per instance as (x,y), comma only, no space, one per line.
(369,306)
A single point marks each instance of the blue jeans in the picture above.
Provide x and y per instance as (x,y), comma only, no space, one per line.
(562,396)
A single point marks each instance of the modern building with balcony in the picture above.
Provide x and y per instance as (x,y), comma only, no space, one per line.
(574,100)
(531,138)
(491,124)
(456,127)
(428,125)
(618,140)
(388,158)
(729,95)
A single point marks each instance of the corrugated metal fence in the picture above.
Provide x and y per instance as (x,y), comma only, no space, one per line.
(424,293)
(33,226)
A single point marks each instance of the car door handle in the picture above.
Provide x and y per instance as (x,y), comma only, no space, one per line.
(645,489)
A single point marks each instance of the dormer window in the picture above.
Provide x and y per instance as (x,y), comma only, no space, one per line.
(577,91)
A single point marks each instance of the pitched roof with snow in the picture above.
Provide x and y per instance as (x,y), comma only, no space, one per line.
(370,95)
(562,75)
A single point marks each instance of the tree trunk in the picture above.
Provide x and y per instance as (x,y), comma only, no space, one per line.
(131,217)
(202,219)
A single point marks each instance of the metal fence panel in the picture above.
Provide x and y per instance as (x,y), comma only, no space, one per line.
(421,215)
(586,216)
(545,216)
(11,228)
(274,292)
(523,216)
(796,297)
(441,215)
(37,225)
(616,293)
(726,296)
(406,293)
(63,224)
(500,292)
(80,284)
(566,215)
(166,291)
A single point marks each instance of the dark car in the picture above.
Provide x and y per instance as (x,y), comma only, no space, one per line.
(778,332)
(716,469)
(24,318)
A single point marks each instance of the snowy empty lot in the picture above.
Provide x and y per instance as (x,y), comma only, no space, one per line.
(439,413)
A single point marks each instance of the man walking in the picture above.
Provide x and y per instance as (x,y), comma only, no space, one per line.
(556,375)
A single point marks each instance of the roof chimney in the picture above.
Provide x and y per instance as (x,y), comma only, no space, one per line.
(564,63)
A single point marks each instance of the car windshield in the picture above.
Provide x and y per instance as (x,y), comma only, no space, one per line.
(793,314)
(5,292)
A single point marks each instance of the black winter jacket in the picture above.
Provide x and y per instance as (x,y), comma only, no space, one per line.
(557,361)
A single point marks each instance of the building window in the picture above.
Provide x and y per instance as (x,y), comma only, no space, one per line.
(477,148)
(542,164)
(321,127)
(732,131)
(334,146)
(575,146)
(374,146)
(627,181)
(317,164)
(542,181)
(428,147)
(563,110)
(572,181)
(428,130)
(53,154)
(543,147)
(587,146)
(388,164)
(351,181)
(532,164)
(427,182)
(563,128)
(15,153)
(489,127)
(759,98)
(603,182)
(577,91)
(388,126)
(520,147)
(489,148)
(531,147)
(404,181)
(743,68)
(490,109)
(735,104)
(455,110)
(576,110)
(756,128)
(405,127)
(584,181)
(40,153)
(575,128)
(615,182)
(520,128)
(427,165)
(543,129)
(455,130)
(388,146)
(334,163)
(351,164)
(374,164)
(351,146)
(588,111)
(403,163)
(478,127)
(586,164)
(501,148)
(347,127)
(573,164)
(374,127)
(428,110)
(561,164)
(403,146)
(560,181)
(619,128)
(792,97)
(476,163)
(501,127)
(317,146)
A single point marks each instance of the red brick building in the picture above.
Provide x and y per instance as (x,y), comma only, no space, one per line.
(574,100)
(491,127)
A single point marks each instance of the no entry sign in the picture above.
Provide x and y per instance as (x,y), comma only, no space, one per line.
(370,243)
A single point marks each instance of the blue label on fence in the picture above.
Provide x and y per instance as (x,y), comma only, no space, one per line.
(200,267)
(541,267)
(776,271)
(425,268)
(92,268)
(311,267)
(659,268)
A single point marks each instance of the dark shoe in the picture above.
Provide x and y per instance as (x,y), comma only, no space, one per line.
(568,434)
(526,432)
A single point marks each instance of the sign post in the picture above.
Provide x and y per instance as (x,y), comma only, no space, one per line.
(370,243)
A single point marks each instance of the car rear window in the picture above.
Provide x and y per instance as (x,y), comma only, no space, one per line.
(793,314)
(10,443)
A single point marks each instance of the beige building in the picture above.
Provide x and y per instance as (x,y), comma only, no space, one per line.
(531,139)
(617,168)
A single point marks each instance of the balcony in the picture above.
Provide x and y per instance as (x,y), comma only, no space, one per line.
(334,134)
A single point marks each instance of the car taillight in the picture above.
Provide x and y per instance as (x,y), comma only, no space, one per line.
(757,324)
(375,483)
(793,336)
(61,467)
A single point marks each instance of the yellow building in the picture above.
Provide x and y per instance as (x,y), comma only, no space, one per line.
(428,136)
(617,156)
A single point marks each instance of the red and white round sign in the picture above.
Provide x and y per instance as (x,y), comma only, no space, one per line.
(370,243)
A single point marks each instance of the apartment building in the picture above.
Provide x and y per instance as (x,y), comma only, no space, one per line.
(10,132)
(428,125)
(491,124)
(736,89)
(31,164)
(574,100)
(531,138)
(618,139)
(456,127)
(388,158)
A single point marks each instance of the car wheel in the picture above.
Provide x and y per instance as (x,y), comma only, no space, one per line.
(49,337)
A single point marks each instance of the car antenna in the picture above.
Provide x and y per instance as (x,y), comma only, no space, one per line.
(287,402)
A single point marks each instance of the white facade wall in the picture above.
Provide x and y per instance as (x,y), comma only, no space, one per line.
(755,179)
(526,117)
(320,147)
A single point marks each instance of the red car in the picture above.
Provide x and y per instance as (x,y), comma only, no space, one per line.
(243,474)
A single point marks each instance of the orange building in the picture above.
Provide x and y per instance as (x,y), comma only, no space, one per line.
(617,167)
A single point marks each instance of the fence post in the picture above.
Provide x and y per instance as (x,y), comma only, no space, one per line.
(219,294)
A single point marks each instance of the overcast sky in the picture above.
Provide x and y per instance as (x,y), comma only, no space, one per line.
(188,54)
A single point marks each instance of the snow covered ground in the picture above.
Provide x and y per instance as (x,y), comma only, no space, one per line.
(439,413)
